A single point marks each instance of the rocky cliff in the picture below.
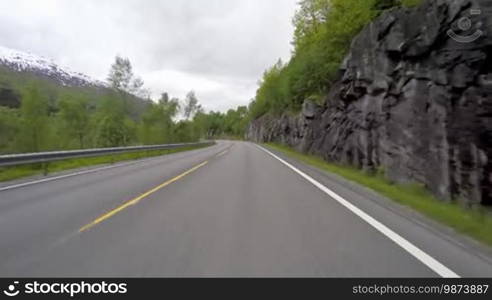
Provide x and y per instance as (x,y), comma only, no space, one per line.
(414,99)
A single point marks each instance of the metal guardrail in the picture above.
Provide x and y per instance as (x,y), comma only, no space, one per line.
(45,157)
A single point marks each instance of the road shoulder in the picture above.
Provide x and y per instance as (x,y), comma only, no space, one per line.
(374,203)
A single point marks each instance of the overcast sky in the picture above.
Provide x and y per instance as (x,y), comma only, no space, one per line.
(219,48)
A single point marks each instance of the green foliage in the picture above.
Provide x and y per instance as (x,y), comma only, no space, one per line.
(34,130)
(75,120)
(121,77)
(219,125)
(274,91)
(113,127)
(51,117)
(69,119)
(9,127)
(55,117)
(156,126)
(411,3)
(235,121)
(184,132)
(324,30)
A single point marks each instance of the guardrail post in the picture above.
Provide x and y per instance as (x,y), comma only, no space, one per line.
(45,168)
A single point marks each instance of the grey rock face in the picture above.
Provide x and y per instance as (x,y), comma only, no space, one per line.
(309,109)
(412,100)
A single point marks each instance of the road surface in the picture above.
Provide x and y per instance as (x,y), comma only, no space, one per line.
(228,210)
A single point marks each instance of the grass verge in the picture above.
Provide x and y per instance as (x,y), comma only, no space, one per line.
(476,223)
(15,172)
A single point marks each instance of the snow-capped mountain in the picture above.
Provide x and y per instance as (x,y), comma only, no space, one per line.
(26,62)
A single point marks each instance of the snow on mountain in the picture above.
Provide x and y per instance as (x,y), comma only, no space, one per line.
(27,62)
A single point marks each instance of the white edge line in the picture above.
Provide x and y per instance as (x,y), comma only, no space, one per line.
(423,257)
(117,165)
(16,186)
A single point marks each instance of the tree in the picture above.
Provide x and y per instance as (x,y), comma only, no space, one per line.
(201,122)
(272,95)
(191,106)
(217,125)
(184,132)
(34,130)
(9,126)
(121,77)
(157,125)
(137,87)
(309,17)
(143,93)
(123,81)
(113,127)
(75,116)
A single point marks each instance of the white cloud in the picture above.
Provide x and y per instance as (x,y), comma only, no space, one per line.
(219,48)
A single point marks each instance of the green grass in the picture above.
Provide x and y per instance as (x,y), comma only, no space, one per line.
(476,223)
(411,3)
(10,173)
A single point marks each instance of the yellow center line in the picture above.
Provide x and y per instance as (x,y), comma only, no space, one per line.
(224,152)
(139,198)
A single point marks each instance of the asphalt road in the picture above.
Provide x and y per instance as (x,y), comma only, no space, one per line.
(227,210)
